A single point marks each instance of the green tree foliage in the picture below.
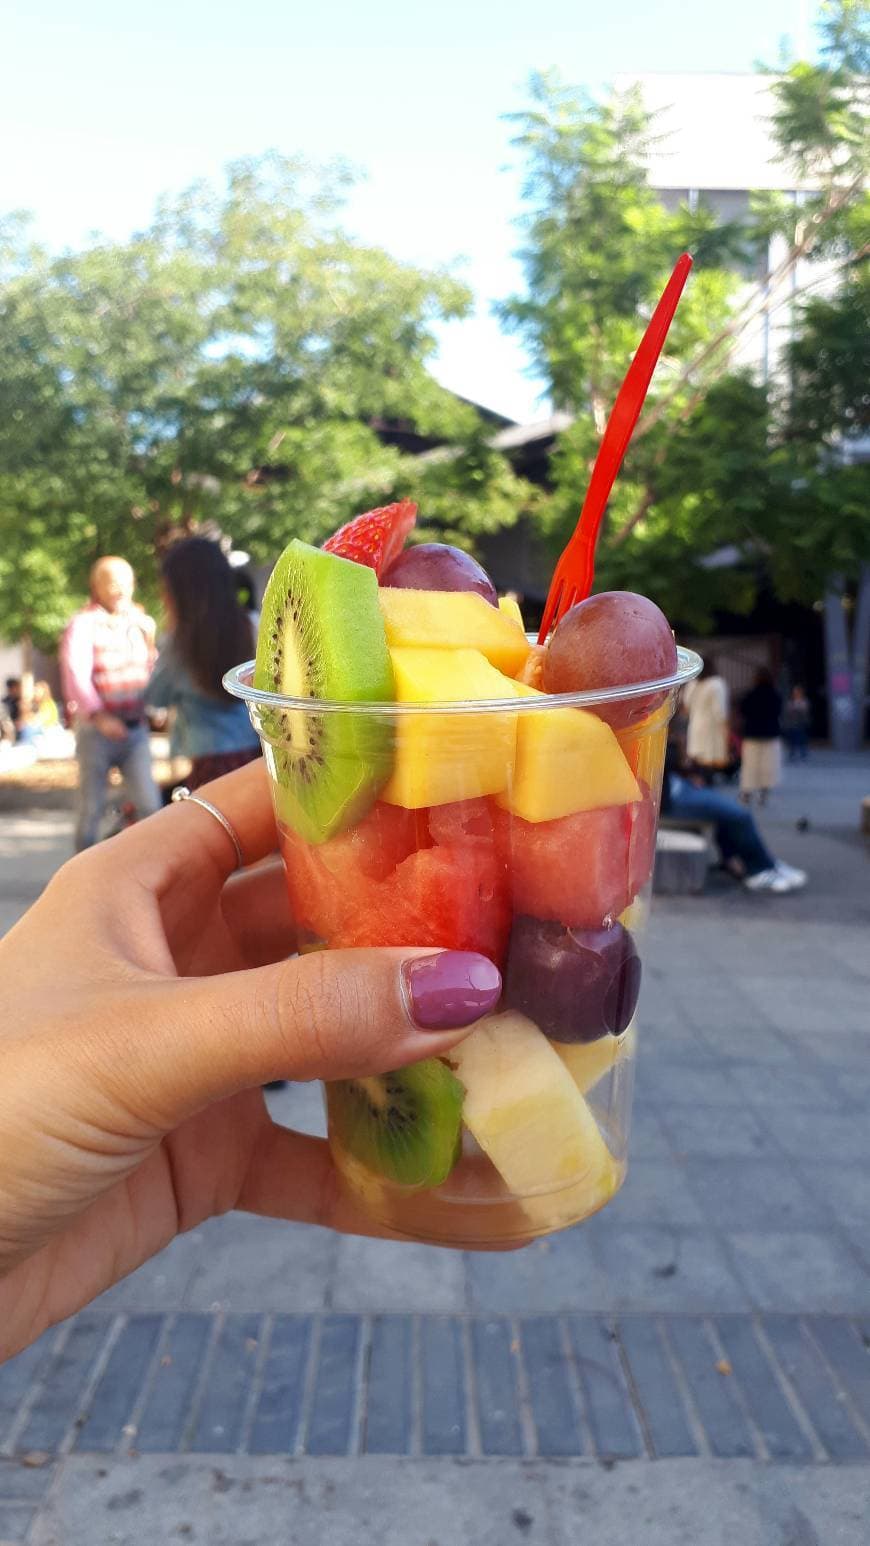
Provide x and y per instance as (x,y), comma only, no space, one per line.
(231,365)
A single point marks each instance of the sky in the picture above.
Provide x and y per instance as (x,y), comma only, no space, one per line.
(103,107)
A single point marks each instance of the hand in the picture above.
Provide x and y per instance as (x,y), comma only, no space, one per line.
(139,1016)
(109,725)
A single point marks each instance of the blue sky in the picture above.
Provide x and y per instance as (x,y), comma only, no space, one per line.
(103,107)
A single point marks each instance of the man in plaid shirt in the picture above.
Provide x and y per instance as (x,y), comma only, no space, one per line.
(106,656)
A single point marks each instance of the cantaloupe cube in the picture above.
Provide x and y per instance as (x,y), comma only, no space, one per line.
(431,619)
(526,1112)
(567,760)
(441,758)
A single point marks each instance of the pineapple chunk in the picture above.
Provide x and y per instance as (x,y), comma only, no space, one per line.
(447,620)
(440,758)
(567,760)
(526,1112)
(511,608)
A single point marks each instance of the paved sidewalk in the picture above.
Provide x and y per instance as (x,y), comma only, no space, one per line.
(718,1309)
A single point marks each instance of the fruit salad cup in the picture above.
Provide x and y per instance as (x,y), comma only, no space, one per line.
(473,812)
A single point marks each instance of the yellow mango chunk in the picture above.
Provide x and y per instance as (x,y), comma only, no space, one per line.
(447,620)
(440,758)
(526,1112)
(567,760)
(587,1062)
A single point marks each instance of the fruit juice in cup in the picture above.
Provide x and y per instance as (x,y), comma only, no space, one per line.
(426,796)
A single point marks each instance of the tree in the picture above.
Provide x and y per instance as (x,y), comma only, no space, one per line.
(229,365)
(719,460)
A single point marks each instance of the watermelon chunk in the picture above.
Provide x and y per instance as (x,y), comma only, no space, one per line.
(329,882)
(576,871)
(452,897)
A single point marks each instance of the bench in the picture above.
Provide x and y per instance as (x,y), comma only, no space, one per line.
(684,851)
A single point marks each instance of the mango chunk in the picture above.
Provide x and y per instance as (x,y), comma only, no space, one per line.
(440,758)
(526,1112)
(447,620)
(567,760)
(588,1062)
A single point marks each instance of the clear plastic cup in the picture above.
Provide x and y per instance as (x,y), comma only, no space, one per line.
(523,829)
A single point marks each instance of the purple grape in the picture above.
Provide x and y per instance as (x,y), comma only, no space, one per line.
(576,984)
(438,566)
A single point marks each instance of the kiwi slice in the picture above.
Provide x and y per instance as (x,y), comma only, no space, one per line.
(322,636)
(404,1125)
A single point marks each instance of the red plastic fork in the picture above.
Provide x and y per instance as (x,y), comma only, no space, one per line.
(572,579)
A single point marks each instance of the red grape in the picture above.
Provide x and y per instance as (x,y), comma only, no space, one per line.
(611,640)
(576,984)
(438,566)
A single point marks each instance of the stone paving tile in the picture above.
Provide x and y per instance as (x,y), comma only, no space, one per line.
(655,1192)
(837,1004)
(248,1263)
(664,1268)
(16,1520)
(161,1284)
(396,1275)
(387,1428)
(842,1190)
(496,1387)
(551,1391)
(783,1435)
(665,1416)
(755,1043)
(810,1377)
(800,1270)
(559,1273)
(805,1133)
(648,1137)
(706,1080)
(608,1406)
(753,1194)
(763,1084)
(714,1397)
(717,1131)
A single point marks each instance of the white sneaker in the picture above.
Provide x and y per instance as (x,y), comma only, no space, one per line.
(772,880)
(798,877)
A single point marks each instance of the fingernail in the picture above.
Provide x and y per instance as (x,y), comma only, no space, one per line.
(454,988)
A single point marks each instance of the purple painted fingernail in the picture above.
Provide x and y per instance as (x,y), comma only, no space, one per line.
(454,988)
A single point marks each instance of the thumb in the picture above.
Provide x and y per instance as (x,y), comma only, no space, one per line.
(334,1014)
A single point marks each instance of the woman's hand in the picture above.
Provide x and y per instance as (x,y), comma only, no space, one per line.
(144,1000)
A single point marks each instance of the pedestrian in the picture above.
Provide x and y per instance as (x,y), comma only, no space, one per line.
(796,724)
(12,703)
(106,655)
(39,715)
(741,847)
(760,711)
(706,703)
(144,999)
(209,632)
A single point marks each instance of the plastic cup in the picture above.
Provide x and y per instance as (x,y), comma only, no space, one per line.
(524,829)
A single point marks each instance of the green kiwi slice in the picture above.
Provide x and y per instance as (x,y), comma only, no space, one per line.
(404,1125)
(322,636)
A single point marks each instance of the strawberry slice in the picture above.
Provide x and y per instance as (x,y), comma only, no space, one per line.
(375,538)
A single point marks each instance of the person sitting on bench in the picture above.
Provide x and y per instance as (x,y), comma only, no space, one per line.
(743,851)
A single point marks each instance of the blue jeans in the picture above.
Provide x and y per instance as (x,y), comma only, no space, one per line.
(96,755)
(736,833)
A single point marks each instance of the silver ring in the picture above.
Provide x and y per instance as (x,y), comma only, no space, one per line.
(183,793)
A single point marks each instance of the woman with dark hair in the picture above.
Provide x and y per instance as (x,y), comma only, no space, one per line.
(760,709)
(209,632)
